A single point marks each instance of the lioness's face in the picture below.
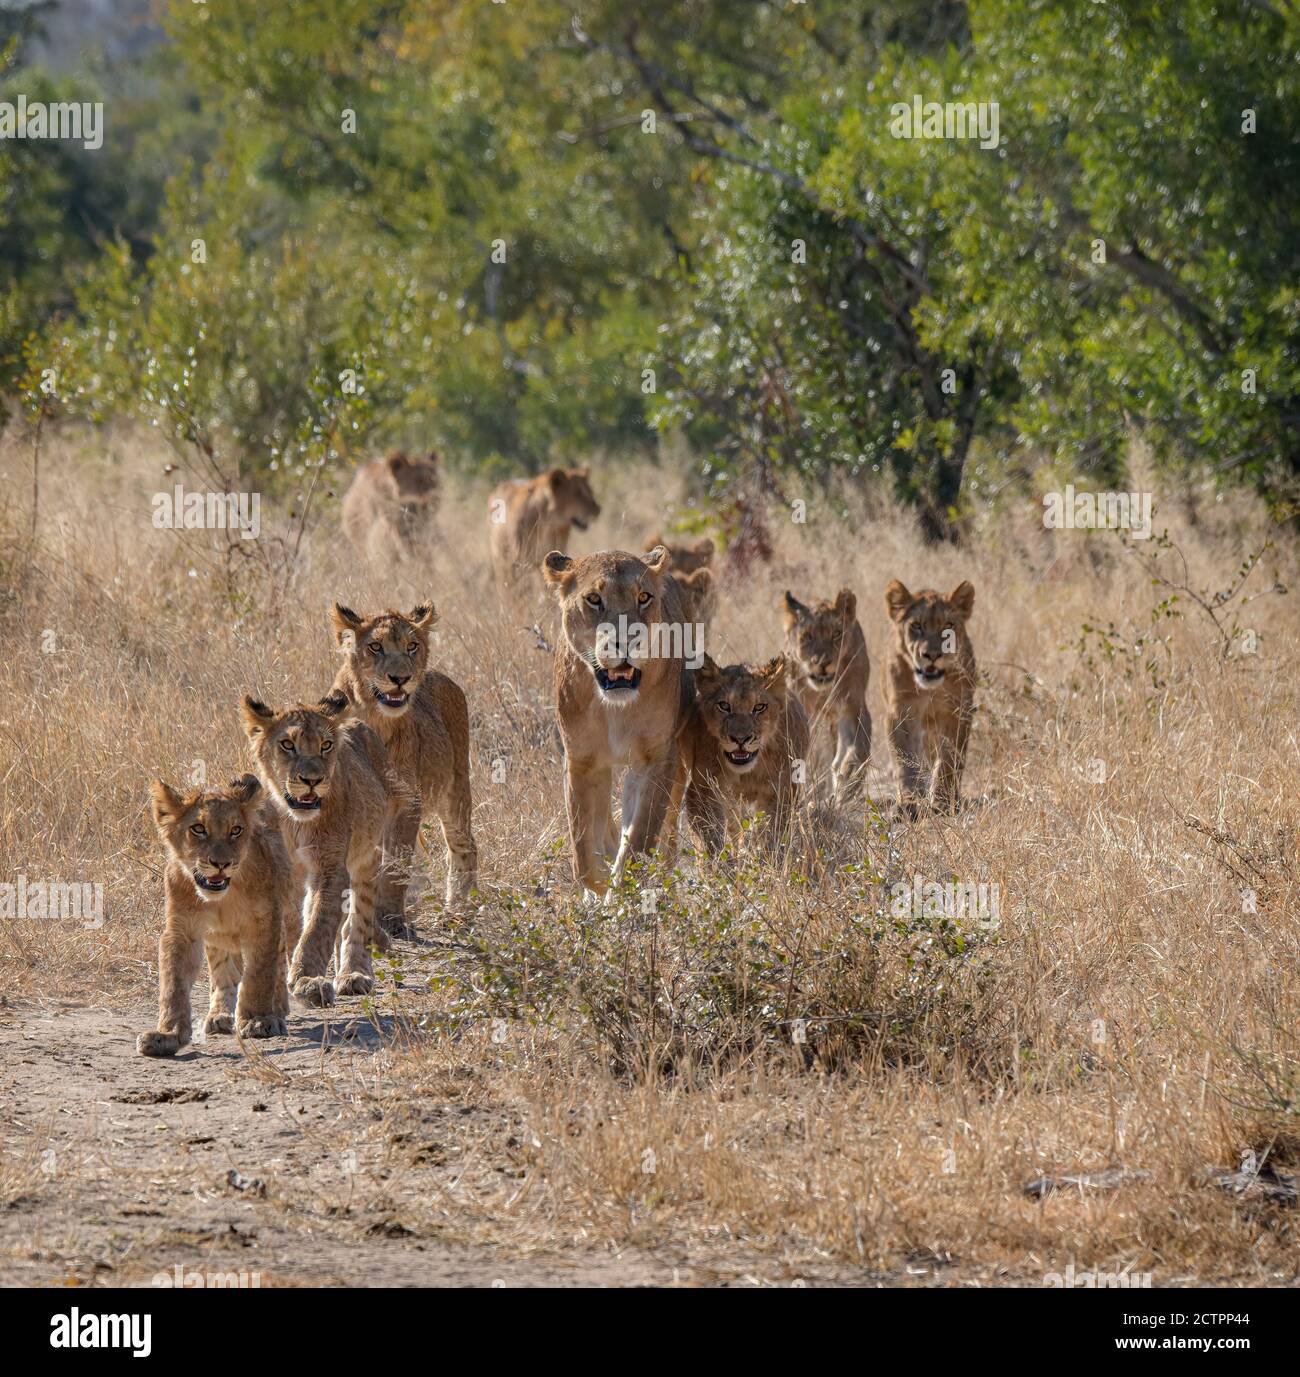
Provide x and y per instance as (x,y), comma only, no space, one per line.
(929,628)
(817,634)
(609,602)
(389,652)
(208,832)
(414,481)
(294,748)
(572,497)
(741,707)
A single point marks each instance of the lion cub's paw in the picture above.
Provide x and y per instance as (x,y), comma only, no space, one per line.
(264,1026)
(315,989)
(158,1044)
(219,1023)
(354,983)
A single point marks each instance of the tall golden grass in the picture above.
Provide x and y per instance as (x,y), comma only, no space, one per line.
(769,1059)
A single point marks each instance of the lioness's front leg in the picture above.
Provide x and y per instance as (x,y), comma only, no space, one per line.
(852,754)
(307,975)
(946,785)
(395,875)
(263,1001)
(585,807)
(455,813)
(647,790)
(356,975)
(224,971)
(179,955)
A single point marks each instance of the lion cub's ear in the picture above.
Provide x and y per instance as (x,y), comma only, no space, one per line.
(658,560)
(772,674)
(846,603)
(708,675)
(257,716)
(704,548)
(794,610)
(962,599)
(557,569)
(168,805)
(245,788)
(897,600)
(423,617)
(333,704)
(345,622)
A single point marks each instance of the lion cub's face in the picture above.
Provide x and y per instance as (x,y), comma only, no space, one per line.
(207,831)
(571,496)
(388,652)
(929,629)
(817,635)
(608,602)
(294,749)
(741,708)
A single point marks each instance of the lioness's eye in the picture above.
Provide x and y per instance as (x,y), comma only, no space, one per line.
(375,648)
(643,599)
(326,747)
(915,628)
(234,832)
(199,830)
(412,647)
(759,707)
(724,707)
(287,745)
(593,599)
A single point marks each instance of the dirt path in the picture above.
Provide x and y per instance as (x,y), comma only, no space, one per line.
(137,1167)
(120,1168)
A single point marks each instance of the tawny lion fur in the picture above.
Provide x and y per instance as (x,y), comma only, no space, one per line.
(529,516)
(228,893)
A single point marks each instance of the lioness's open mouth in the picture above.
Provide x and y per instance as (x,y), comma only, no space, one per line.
(307,803)
(579,523)
(396,698)
(742,758)
(620,679)
(214,884)
(928,675)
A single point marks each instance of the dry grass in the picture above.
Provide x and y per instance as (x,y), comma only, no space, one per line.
(1130,1009)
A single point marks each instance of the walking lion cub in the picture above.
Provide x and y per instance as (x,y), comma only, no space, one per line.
(228,895)
(741,749)
(930,693)
(336,793)
(829,655)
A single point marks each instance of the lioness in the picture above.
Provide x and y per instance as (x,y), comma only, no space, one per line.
(741,747)
(528,516)
(622,690)
(828,654)
(336,794)
(228,893)
(422,718)
(391,504)
(929,693)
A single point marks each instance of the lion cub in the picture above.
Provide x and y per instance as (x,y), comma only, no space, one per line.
(930,693)
(740,748)
(228,893)
(422,718)
(336,793)
(528,516)
(829,655)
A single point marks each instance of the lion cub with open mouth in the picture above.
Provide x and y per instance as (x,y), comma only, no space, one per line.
(741,748)
(228,894)
(330,781)
(930,693)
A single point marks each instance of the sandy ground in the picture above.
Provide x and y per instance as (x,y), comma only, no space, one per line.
(260,1171)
